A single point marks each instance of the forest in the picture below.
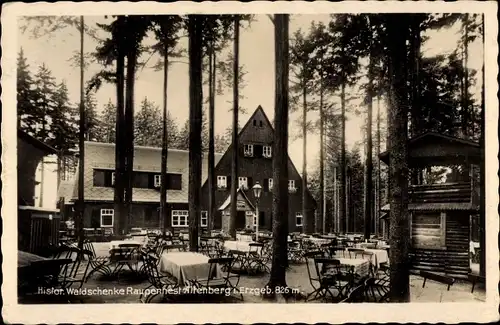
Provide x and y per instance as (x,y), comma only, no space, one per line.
(325,70)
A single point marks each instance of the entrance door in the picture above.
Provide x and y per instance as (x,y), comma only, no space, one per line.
(240,220)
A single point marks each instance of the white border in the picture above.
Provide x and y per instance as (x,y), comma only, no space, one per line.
(243,313)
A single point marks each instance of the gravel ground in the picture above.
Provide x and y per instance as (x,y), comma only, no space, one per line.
(127,290)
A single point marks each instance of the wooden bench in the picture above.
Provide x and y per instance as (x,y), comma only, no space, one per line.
(475,278)
(437,277)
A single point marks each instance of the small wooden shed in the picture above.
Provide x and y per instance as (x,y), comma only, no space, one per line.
(440,213)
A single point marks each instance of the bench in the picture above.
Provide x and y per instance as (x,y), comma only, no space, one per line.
(437,277)
(475,278)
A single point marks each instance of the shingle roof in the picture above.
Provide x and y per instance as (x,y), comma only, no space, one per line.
(146,159)
(456,206)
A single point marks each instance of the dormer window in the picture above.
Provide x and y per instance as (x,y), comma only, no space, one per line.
(221,182)
(267,151)
(248,150)
(291,186)
(157,181)
(243,182)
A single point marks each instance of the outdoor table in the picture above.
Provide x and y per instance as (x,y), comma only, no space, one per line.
(236,245)
(25,258)
(115,243)
(186,266)
(318,241)
(365,245)
(379,256)
(361,266)
(246,238)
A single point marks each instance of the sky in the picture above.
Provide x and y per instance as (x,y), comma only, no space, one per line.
(256,55)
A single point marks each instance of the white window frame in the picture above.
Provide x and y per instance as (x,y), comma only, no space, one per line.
(298,216)
(221,181)
(270,183)
(248,150)
(112,178)
(243,182)
(157,180)
(107,213)
(291,186)
(204,217)
(180,214)
(267,151)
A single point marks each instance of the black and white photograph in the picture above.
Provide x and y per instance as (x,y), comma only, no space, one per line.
(250,162)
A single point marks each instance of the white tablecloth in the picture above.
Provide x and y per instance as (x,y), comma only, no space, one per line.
(319,241)
(115,243)
(379,256)
(185,266)
(361,266)
(241,237)
(236,245)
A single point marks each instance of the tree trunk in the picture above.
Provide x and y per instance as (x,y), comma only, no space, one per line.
(119,137)
(195,128)
(164,148)
(234,163)
(342,190)
(321,214)
(465,91)
(211,139)
(280,156)
(368,208)
(81,143)
(397,28)
(305,213)
(129,127)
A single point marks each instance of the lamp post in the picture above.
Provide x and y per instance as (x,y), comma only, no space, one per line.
(257,189)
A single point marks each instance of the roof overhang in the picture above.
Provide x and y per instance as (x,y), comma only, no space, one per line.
(434,149)
(458,206)
(35,142)
(240,196)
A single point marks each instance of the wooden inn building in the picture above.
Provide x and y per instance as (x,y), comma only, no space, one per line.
(254,165)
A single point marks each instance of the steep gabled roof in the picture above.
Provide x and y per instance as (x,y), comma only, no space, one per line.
(35,142)
(260,110)
(146,159)
(239,193)
(448,206)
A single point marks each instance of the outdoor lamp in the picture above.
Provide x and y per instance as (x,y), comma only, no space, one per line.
(257,189)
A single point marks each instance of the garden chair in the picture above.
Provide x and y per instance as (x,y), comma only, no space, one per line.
(356,295)
(98,264)
(257,261)
(164,284)
(355,252)
(228,280)
(377,290)
(313,274)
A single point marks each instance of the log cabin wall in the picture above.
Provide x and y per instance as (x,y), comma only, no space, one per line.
(449,255)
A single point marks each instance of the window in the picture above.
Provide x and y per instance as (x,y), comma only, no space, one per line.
(113,179)
(248,150)
(270,183)
(254,122)
(221,181)
(180,218)
(243,182)
(204,219)
(267,151)
(174,181)
(157,180)
(298,219)
(291,186)
(428,230)
(260,123)
(107,217)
